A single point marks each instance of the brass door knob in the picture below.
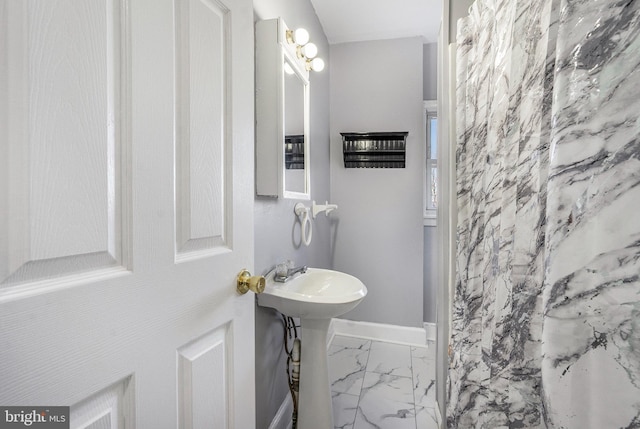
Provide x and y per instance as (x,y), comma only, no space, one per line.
(247,282)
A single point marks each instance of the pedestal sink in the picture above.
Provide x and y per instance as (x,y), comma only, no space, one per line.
(315,297)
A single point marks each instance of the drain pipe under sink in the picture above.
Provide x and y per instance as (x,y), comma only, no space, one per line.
(295,379)
(293,364)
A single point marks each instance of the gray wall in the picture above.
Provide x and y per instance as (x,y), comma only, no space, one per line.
(377,86)
(276,231)
(430,71)
(430,274)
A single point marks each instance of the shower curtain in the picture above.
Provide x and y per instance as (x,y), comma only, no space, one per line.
(546,312)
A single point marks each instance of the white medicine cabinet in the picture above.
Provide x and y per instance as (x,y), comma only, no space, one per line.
(282,113)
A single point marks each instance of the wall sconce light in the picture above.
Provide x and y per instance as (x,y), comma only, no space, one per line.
(305,50)
(316,64)
(299,36)
(310,50)
(288,69)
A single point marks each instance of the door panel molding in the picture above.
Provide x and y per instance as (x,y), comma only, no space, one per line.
(202,128)
(203,381)
(112,407)
(66,206)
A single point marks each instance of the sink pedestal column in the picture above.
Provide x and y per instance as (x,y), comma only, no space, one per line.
(314,408)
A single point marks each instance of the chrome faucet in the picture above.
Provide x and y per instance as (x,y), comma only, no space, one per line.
(284,273)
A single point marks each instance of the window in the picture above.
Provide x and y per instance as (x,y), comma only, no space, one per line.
(431,164)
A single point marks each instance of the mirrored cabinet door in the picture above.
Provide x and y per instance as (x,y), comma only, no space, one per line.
(282,115)
(294,131)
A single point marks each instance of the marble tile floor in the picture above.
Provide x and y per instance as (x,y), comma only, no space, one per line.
(382,385)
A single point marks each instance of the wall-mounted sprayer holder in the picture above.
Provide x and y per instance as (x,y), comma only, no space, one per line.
(302,212)
(319,208)
(305,213)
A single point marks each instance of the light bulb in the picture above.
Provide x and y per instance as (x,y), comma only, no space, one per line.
(301,36)
(316,64)
(310,50)
(288,69)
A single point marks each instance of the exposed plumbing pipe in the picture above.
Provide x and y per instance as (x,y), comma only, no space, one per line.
(293,357)
(295,378)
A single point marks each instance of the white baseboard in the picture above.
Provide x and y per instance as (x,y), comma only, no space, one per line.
(282,419)
(431,331)
(378,331)
(331,333)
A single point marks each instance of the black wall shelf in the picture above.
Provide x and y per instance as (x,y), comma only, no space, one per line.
(294,152)
(374,150)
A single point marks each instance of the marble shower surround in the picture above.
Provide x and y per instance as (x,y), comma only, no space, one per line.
(546,313)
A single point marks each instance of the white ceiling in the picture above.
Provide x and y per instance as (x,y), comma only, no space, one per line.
(359,20)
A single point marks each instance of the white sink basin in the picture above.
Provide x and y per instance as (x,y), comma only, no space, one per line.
(316,294)
(315,297)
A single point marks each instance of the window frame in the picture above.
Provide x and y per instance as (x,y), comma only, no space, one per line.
(430,110)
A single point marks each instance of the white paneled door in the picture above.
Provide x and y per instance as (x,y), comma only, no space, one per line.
(126,200)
